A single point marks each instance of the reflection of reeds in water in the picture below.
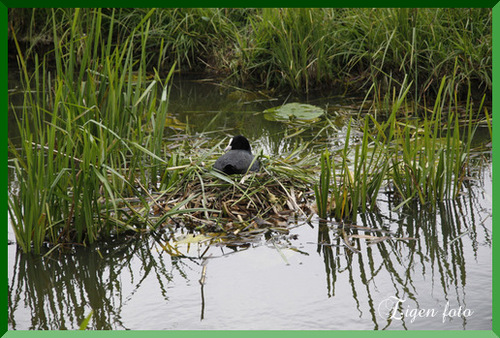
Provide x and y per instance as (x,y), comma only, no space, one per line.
(427,245)
(60,293)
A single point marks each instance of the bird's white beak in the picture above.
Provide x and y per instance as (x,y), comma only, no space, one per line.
(229,145)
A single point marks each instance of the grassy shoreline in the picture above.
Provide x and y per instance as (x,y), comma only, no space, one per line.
(287,49)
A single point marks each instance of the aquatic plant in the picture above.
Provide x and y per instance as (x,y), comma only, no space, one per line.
(322,189)
(422,159)
(84,140)
(296,48)
(431,155)
(92,162)
(357,172)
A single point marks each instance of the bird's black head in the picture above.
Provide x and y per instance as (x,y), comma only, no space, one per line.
(241,143)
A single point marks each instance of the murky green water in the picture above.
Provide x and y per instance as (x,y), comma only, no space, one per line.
(302,280)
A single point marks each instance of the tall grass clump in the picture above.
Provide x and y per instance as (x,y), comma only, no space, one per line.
(189,37)
(289,46)
(89,130)
(322,190)
(422,159)
(304,49)
(431,155)
(355,180)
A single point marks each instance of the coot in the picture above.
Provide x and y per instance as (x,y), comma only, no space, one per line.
(238,159)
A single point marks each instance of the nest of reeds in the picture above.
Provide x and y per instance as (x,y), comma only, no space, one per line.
(212,201)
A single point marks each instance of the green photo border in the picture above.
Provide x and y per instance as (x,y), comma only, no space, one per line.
(4,5)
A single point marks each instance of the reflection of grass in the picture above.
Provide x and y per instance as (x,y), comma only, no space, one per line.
(422,243)
(102,276)
(59,293)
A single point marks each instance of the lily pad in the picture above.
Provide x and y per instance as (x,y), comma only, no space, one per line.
(294,111)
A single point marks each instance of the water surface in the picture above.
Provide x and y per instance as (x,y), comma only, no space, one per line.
(305,279)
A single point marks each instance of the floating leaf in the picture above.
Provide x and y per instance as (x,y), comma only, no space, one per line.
(294,111)
(240,95)
(191,239)
(172,122)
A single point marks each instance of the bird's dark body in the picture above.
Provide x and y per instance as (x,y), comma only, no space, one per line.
(239,159)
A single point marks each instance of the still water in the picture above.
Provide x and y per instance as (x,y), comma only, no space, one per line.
(305,279)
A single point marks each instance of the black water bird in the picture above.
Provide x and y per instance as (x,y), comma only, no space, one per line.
(238,159)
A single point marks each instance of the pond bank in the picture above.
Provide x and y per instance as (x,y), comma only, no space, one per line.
(288,49)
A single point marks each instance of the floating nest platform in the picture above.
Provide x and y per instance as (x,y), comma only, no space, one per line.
(208,201)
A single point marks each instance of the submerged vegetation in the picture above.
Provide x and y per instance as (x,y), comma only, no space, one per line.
(95,159)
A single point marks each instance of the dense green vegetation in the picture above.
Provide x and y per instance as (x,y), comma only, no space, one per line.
(298,49)
(91,133)
(424,160)
(92,161)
